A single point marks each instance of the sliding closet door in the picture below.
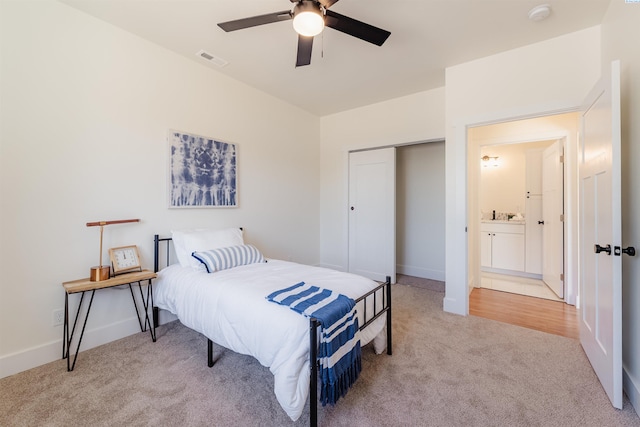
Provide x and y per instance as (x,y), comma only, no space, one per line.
(372,210)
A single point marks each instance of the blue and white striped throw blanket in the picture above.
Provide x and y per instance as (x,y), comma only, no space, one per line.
(339,354)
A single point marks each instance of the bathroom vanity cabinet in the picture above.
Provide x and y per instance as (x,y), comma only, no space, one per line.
(502,245)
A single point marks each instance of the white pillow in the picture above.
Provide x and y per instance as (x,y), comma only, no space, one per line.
(224,258)
(186,242)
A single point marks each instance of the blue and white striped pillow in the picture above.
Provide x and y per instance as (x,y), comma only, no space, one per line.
(229,257)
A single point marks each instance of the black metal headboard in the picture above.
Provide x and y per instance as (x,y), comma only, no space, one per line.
(156,251)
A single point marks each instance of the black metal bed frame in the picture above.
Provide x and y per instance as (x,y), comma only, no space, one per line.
(314,325)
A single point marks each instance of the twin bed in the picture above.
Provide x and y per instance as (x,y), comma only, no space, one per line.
(219,287)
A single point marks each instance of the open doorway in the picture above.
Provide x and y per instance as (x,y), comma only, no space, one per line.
(518,144)
(408,218)
(420,212)
(520,194)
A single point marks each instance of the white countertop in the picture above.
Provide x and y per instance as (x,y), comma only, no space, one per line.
(502,221)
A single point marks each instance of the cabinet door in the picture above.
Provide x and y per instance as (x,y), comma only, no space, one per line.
(485,249)
(507,251)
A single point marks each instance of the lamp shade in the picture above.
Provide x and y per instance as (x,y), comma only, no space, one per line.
(307,19)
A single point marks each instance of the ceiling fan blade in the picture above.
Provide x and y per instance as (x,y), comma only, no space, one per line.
(327,3)
(304,50)
(356,28)
(254,21)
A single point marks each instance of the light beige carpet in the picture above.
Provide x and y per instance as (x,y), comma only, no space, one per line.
(446,370)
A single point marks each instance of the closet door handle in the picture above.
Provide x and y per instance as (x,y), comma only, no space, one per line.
(597,249)
(541,222)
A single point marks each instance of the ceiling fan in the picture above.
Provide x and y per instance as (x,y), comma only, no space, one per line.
(309,19)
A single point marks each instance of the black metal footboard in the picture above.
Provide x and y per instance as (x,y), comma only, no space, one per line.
(383,292)
(314,324)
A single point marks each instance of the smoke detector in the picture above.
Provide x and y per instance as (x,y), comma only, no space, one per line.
(540,13)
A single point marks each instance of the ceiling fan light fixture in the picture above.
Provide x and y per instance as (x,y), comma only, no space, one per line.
(308,19)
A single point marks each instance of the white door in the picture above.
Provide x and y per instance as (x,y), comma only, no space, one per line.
(533,234)
(372,209)
(600,231)
(533,211)
(552,215)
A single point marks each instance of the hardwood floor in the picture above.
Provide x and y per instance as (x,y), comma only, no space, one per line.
(554,317)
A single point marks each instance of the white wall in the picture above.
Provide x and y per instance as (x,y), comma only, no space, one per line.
(546,77)
(620,33)
(503,188)
(420,210)
(85,112)
(413,118)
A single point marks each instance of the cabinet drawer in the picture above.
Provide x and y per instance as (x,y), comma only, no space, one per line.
(502,227)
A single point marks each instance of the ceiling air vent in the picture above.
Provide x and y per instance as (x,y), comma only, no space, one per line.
(212,58)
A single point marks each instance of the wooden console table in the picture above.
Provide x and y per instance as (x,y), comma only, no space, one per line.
(85,285)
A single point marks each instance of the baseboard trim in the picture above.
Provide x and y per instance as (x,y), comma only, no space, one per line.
(332,266)
(165,317)
(451,305)
(512,273)
(14,363)
(632,390)
(424,273)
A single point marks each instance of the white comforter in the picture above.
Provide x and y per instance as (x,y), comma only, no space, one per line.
(229,307)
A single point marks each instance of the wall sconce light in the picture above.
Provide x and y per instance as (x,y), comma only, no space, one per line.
(489,161)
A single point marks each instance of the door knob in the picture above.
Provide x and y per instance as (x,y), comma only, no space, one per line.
(597,249)
(631,251)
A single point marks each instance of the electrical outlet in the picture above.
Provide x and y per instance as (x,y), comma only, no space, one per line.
(58,317)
